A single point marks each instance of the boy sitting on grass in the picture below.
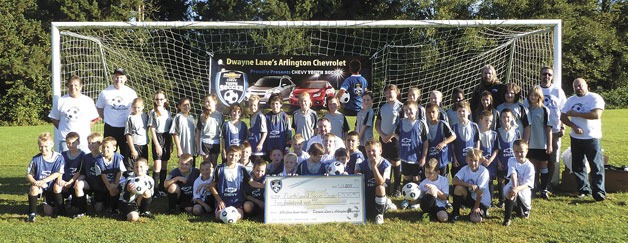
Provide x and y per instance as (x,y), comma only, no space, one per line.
(42,171)
(179,185)
(518,192)
(134,202)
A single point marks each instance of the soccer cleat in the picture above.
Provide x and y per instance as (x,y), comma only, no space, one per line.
(545,194)
(390,205)
(379,219)
(80,215)
(415,206)
(454,218)
(147,214)
(599,197)
(506,222)
(31,217)
(173,211)
(405,204)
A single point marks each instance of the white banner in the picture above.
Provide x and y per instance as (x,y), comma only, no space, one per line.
(314,199)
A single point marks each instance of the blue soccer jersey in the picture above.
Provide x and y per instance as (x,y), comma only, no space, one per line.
(355,85)
(279,132)
(186,188)
(438,133)
(230,184)
(354,159)
(72,165)
(306,168)
(369,177)
(258,126)
(466,138)
(487,145)
(41,168)
(111,168)
(504,143)
(412,134)
(234,134)
(257,193)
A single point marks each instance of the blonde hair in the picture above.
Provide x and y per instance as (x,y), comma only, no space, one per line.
(95,136)
(111,140)
(538,91)
(474,154)
(44,137)
(291,156)
(432,165)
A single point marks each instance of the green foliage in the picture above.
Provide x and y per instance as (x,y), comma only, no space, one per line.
(616,98)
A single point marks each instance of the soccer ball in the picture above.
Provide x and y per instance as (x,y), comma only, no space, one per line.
(229,215)
(141,185)
(336,168)
(345,98)
(230,96)
(411,191)
(475,218)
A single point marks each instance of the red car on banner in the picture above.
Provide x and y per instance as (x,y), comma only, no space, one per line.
(319,90)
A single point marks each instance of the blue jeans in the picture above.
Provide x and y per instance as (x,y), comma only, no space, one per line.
(592,149)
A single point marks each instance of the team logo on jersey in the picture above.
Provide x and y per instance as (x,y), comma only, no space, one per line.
(406,142)
(117,103)
(357,89)
(235,141)
(577,107)
(275,185)
(508,152)
(466,150)
(433,151)
(230,86)
(72,114)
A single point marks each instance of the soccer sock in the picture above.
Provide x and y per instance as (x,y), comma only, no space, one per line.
(59,206)
(81,203)
(32,204)
(508,209)
(114,202)
(156,176)
(172,201)
(397,178)
(500,191)
(544,178)
(145,203)
(380,204)
(456,205)
(162,178)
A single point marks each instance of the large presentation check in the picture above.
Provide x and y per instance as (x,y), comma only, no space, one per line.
(314,199)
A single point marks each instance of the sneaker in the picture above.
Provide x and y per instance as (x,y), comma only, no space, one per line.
(31,217)
(599,197)
(582,195)
(415,206)
(162,194)
(545,194)
(79,215)
(379,219)
(397,193)
(500,204)
(506,222)
(454,218)
(147,214)
(486,213)
(449,206)
(115,212)
(390,205)
(405,204)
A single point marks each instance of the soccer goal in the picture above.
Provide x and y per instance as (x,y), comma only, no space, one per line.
(178,57)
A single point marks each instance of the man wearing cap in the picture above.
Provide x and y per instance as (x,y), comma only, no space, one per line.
(114,106)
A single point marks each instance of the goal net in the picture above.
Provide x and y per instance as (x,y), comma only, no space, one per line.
(177,57)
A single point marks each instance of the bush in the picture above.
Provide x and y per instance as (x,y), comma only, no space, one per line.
(616,99)
(25,103)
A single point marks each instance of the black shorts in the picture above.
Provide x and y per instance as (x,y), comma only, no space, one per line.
(408,169)
(257,210)
(469,202)
(185,200)
(49,196)
(390,151)
(129,207)
(501,174)
(142,152)
(211,150)
(538,154)
(95,183)
(165,140)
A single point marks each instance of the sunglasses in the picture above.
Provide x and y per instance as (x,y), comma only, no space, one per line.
(546,74)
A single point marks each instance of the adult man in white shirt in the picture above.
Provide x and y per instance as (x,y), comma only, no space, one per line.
(324,127)
(555,101)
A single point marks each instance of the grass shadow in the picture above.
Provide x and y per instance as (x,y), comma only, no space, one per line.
(13,185)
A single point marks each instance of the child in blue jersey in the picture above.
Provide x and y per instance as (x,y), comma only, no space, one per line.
(339,123)
(507,134)
(486,104)
(457,95)
(136,205)
(254,204)
(413,145)
(179,185)
(290,164)
(183,130)
(159,123)
(258,130)
(376,171)
(488,139)
(111,167)
(329,144)
(228,187)
(540,139)
(355,155)
(440,136)
(90,177)
(364,121)
(471,188)
(436,98)
(203,200)
(313,165)
(208,129)
(304,119)
(43,169)
(135,130)
(467,136)
(512,98)
(355,85)
(387,119)
(73,158)
(518,192)
(434,192)
(278,122)
(297,147)
(414,94)
(246,160)
(234,131)
(276,162)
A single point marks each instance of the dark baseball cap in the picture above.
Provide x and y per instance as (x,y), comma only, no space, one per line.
(119,71)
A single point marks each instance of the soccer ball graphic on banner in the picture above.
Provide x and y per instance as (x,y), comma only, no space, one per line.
(345,98)
(336,168)
(231,97)
(411,191)
(229,215)
(141,185)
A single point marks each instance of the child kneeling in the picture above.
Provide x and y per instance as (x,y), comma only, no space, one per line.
(137,194)
(517,192)
(434,192)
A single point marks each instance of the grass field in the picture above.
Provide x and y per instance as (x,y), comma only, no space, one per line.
(562,219)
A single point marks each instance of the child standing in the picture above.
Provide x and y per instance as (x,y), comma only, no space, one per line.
(304,119)
(182,130)
(255,196)
(43,169)
(258,129)
(488,138)
(519,111)
(355,155)
(434,192)
(364,121)
(376,173)
(440,136)
(540,140)
(111,167)
(518,191)
(136,135)
(208,130)
(471,188)
(136,205)
(507,134)
(297,147)
(467,136)
(73,158)
(457,95)
(91,180)
(387,120)
(313,165)
(278,122)
(413,145)
(339,123)
(486,105)
(159,123)
(234,132)
(436,98)
(180,184)
(414,94)
(201,190)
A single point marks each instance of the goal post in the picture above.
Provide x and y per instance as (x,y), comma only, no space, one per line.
(429,54)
